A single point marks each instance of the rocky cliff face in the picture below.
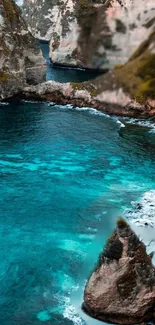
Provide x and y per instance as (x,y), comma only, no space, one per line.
(41,16)
(136,78)
(94,35)
(126,90)
(119,30)
(55,21)
(121,289)
(21,60)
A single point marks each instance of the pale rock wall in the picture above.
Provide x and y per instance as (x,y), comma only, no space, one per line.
(138,18)
(41,15)
(64,36)
(21,60)
(98,40)
(55,21)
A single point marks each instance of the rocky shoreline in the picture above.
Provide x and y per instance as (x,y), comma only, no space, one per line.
(113,103)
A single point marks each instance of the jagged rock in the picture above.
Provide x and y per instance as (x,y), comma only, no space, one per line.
(21,60)
(121,289)
(96,34)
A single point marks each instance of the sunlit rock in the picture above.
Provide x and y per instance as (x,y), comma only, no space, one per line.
(96,34)
(121,288)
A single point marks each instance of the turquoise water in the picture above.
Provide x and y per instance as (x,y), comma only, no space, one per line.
(65,176)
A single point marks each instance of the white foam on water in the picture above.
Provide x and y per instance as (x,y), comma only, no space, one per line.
(92,111)
(70,313)
(142,219)
(4,103)
(120,123)
(65,281)
(32,101)
(51,104)
(144,123)
(143,212)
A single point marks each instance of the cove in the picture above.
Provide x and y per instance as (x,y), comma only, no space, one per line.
(65,176)
(62,74)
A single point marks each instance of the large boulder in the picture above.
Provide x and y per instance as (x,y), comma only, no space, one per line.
(21,60)
(121,289)
(93,34)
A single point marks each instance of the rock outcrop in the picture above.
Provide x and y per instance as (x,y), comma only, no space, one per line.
(136,78)
(121,289)
(21,60)
(96,34)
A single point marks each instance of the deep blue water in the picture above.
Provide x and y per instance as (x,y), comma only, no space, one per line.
(62,74)
(65,176)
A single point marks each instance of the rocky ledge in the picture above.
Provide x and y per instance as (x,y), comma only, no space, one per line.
(121,289)
(112,102)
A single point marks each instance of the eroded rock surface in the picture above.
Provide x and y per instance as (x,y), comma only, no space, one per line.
(96,34)
(121,289)
(21,60)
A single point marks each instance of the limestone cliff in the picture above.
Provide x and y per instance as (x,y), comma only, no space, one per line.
(117,31)
(121,289)
(126,90)
(92,34)
(41,16)
(136,78)
(21,60)
(55,21)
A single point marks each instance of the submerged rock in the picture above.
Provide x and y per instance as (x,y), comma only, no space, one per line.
(21,60)
(121,289)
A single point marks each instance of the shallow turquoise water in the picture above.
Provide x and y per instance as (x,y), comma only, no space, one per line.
(65,176)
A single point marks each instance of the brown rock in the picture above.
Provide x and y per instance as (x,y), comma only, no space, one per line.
(122,287)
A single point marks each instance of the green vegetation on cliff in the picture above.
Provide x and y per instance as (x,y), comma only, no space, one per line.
(138,75)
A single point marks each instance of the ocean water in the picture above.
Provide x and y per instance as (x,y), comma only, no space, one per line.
(63,74)
(66,174)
